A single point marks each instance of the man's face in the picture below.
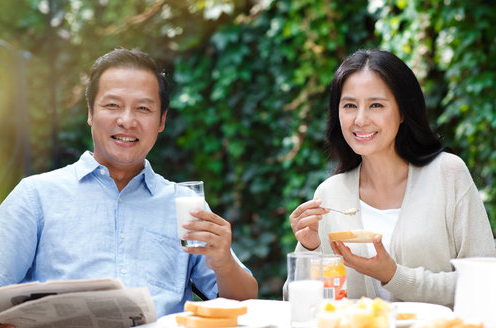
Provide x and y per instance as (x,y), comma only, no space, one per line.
(126,118)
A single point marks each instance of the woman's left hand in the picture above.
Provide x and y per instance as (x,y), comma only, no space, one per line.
(381,266)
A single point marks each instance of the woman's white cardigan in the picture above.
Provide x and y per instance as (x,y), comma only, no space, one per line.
(442,217)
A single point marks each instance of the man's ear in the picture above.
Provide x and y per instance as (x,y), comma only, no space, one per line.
(162,122)
(90,117)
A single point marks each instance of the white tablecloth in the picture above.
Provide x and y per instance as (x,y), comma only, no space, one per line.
(276,314)
(261,314)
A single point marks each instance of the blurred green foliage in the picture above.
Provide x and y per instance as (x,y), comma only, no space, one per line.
(249,82)
(451,45)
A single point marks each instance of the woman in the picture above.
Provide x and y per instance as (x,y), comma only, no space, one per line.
(393,168)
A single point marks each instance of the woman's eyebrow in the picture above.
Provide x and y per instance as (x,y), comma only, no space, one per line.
(348,98)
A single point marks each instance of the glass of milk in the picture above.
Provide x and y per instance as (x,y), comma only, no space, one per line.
(305,288)
(189,197)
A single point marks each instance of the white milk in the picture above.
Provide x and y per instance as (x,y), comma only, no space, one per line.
(305,298)
(184,205)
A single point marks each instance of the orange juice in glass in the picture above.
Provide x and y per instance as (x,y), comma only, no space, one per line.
(334,274)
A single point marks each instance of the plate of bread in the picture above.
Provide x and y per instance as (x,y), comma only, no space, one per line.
(409,313)
(221,312)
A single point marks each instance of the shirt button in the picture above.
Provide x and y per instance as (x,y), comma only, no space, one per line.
(120,199)
(122,236)
(123,270)
(102,171)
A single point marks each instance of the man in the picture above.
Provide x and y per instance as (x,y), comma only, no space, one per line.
(109,214)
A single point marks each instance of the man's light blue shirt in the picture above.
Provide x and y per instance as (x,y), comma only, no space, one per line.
(73,223)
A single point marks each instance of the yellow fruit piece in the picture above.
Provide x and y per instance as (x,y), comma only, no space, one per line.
(334,270)
(330,307)
(378,305)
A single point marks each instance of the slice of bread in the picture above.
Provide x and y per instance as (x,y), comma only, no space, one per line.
(217,308)
(353,236)
(190,320)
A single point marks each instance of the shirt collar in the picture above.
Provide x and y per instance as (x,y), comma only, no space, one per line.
(87,165)
(150,177)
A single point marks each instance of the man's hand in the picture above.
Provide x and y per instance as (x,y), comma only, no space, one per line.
(305,223)
(6,325)
(232,280)
(216,232)
(381,266)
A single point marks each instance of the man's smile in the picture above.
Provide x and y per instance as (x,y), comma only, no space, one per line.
(125,139)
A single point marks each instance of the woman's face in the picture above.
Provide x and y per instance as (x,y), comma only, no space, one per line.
(369,115)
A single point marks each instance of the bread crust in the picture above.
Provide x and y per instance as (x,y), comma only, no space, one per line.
(190,320)
(353,236)
(219,308)
(219,312)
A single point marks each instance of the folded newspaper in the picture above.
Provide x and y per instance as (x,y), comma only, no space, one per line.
(99,303)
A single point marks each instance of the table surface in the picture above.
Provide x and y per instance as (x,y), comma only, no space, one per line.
(276,314)
(261,314)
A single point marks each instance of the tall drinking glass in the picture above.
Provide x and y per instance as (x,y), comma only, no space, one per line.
(305,288)
(189,197)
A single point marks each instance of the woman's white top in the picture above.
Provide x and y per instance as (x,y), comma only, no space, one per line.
(383,222)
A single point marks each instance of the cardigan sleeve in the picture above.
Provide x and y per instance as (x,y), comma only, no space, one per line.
(300,248)
(419,284)
(471,228)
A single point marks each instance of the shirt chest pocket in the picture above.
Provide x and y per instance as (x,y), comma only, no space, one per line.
(164,262)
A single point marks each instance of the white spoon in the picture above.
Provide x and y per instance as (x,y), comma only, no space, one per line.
(350,211)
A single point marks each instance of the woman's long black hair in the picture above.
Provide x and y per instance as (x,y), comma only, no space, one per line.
(415,141)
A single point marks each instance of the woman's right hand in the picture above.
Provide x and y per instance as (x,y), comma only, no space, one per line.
(305,223)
